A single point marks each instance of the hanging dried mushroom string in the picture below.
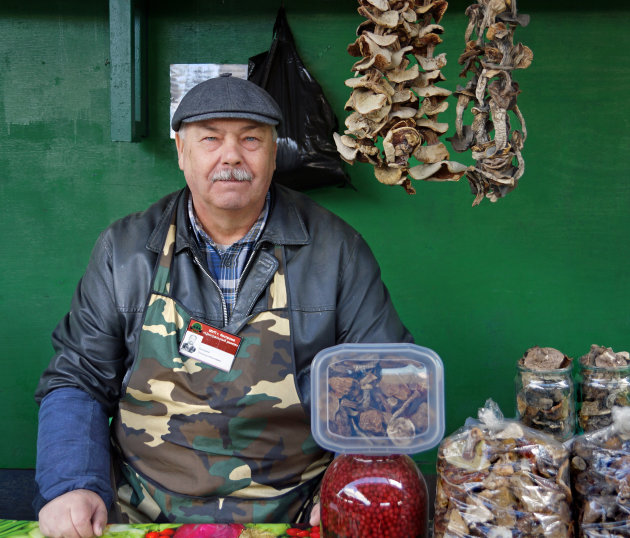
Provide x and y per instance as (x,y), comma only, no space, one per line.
(394,99)
(491,58)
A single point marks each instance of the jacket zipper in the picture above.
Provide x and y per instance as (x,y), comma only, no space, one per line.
(223,304)
(257,247)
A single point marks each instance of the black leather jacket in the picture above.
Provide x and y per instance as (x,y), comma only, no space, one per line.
(335,291)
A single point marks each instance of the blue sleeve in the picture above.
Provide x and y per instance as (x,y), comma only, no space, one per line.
(72,447)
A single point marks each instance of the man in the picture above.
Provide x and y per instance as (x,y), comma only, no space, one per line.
(267,277)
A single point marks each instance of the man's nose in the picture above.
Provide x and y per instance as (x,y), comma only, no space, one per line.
(231,154)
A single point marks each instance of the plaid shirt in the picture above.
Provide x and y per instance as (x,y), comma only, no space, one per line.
(227,263)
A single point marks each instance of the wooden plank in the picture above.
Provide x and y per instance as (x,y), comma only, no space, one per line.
(126,33)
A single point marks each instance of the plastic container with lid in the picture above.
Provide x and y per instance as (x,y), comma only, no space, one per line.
(374,405)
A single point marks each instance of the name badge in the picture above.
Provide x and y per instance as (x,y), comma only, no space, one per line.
(212,346)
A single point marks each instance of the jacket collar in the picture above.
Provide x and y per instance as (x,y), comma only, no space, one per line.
(285,225)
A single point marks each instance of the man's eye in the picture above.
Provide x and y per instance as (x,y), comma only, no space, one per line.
(210,138)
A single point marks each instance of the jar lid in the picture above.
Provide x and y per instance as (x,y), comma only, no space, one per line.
(377,398)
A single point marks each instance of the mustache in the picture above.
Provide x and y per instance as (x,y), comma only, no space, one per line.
(231,174)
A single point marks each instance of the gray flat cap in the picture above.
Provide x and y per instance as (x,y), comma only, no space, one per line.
(226,97)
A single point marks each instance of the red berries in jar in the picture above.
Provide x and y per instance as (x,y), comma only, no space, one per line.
(373,496)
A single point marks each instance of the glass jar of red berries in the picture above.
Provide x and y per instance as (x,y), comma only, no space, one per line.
(374,496)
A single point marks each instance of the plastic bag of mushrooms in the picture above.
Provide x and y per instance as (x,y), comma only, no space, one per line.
(600,472)
(498,478)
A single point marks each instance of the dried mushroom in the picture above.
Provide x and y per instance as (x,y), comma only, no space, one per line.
(545,396)
(395,100)
(384,401)
(499,478)
(600,473)
(491,95)
(605,383)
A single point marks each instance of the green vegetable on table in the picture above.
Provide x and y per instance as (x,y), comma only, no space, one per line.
(10,528)
(19,529)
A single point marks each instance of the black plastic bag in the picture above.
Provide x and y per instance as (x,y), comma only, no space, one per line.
(307,156)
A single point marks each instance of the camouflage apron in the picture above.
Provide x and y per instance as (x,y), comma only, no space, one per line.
(197,444)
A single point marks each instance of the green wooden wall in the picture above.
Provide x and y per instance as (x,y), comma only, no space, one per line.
(548,265)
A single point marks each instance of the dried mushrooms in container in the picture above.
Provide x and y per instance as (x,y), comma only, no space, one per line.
(498,478)
(491,93)
(545,395)
(377,398)
(396,98)
(604,382)
(600,472)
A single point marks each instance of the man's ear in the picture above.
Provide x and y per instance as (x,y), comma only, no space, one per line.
(179,144)
(275,155)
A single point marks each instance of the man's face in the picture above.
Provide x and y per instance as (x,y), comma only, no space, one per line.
(227,163)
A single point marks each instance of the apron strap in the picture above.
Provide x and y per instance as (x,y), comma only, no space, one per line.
(162,279)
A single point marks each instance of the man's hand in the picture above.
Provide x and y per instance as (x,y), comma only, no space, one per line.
(77,514)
